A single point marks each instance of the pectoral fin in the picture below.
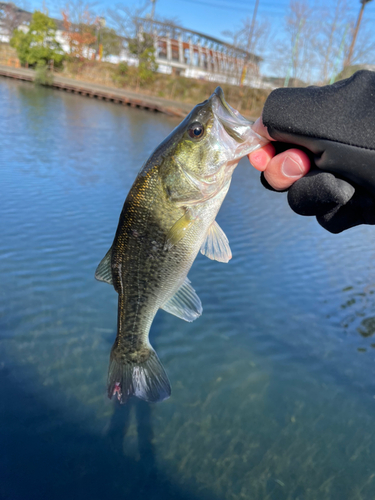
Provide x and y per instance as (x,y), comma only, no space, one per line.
(178,230)
(216,245)
(185,304)
(103,271)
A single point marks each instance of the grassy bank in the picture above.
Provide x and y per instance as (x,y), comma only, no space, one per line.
(247,100)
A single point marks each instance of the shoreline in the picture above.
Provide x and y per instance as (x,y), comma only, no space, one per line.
(103,92)
(107,93)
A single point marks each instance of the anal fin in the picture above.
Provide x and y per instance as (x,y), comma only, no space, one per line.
(185,303)
(216,245)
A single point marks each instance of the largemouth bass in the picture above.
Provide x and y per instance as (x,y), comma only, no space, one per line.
(168,216)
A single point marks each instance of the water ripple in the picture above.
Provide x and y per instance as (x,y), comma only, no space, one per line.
(273,387)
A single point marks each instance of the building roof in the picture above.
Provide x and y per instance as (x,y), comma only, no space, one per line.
(187,33)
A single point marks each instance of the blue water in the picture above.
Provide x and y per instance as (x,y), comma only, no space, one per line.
(273,387)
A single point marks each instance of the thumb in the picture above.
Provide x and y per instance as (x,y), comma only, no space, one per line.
(286,168)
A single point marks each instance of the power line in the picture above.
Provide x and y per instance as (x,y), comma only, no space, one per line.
(217,6)
(276,10)
(269,6)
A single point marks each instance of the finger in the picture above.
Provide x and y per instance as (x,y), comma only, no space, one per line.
(260,129)
(262,156)
(286,168)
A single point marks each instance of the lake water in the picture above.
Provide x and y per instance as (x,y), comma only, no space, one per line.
(273,387)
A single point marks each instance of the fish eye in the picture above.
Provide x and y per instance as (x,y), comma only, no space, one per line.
(196,130)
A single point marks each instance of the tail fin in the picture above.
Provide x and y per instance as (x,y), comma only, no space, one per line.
(146,380)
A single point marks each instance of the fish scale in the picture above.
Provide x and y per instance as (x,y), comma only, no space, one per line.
(168,216)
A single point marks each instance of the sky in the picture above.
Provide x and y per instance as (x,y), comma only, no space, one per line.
(213,17)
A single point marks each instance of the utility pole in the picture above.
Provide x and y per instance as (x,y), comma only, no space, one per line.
(251,34)
(153,9)
(351,48)
(249,41)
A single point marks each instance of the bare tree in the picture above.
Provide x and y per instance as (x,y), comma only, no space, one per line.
(80,27)
(252,38)
(330,38)
(11,17)
(126,19)
(300,27)
(364,50)
(80,12)
(333,38)
(165,26)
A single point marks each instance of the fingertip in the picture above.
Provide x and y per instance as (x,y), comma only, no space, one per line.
(262,156)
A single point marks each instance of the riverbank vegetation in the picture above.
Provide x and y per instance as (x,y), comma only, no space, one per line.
(247,100)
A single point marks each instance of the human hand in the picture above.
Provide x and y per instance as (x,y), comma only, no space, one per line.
(280,170)
(335,124)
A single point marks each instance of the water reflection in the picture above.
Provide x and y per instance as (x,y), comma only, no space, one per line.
(137,442)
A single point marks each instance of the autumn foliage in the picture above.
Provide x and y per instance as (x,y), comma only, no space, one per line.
(81,37)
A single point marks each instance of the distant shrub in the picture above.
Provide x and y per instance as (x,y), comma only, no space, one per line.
(42,75)
(122,68)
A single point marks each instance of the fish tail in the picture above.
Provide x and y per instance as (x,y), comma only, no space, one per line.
(138,373)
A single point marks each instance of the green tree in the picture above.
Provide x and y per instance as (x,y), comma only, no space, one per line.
(147,65)
(38,45)
(140,44)
(110,41)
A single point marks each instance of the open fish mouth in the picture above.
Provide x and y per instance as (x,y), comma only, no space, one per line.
(233,122)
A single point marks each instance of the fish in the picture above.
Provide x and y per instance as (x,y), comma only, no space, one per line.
(167,218)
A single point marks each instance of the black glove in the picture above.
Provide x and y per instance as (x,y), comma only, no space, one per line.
(336,126)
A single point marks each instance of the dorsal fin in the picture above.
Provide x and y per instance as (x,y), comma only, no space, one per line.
(185,303)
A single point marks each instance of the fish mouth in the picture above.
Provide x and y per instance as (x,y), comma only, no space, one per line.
(220,95)
(233,122)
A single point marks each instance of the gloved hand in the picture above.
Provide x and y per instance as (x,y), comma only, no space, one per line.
(335,126)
